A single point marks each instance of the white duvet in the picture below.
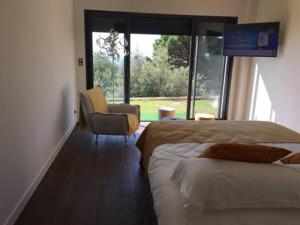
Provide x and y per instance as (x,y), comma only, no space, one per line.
(217,191)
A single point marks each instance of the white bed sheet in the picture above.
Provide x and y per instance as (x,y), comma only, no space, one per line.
(168,203)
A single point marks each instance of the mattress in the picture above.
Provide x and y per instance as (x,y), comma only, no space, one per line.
(168,202)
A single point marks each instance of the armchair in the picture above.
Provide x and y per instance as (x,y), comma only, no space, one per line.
(103,119)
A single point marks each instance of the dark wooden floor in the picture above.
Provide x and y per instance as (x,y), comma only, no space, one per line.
(91,184)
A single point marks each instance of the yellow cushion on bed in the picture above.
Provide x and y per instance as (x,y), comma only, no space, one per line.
(245,152)
(98,100)
(133,123)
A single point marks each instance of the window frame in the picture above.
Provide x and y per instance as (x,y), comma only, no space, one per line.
(129,17)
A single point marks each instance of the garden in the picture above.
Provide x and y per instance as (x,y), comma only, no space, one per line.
(149,107)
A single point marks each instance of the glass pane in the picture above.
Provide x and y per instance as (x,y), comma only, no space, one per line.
(159,74)
(208,73)
(108,64)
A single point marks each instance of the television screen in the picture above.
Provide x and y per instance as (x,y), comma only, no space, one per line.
(259,39)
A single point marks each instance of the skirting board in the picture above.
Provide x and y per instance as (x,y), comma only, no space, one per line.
(12,218)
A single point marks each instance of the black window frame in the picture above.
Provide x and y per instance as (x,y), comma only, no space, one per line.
(128,17)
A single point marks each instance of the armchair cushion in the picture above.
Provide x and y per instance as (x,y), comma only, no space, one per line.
(123,108)
(133,123)
(98,100)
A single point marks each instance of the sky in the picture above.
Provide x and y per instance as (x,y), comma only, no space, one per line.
(142,43)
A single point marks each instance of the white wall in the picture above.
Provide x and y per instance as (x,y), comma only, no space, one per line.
(239,8)
(37,94)
(275,81)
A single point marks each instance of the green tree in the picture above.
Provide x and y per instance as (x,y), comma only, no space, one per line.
(157,77)
(103,77)
(161,74)
(178,47)
(136,63)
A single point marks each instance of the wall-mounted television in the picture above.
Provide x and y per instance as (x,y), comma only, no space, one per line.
(254,40)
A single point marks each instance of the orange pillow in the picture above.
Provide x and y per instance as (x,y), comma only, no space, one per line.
(245,152)
(293,159)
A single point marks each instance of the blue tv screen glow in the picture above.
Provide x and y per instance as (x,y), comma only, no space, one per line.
(255,40)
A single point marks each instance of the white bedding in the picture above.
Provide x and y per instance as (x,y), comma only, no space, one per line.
(169,202)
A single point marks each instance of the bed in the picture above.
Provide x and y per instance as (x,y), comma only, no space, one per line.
(166,144)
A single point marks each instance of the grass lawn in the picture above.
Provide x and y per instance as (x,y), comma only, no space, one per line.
(149,108)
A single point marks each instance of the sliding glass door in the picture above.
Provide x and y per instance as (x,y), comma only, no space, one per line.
(108,64)
(106,53)
(161,62)
(159,72)
(209,79)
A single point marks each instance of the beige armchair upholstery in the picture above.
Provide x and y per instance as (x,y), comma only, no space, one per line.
(117,121)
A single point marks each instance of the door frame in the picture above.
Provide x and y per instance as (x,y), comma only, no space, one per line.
(90,14)
(227,69)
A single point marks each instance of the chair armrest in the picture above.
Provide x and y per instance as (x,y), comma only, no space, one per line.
(109,123)
(125,108)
